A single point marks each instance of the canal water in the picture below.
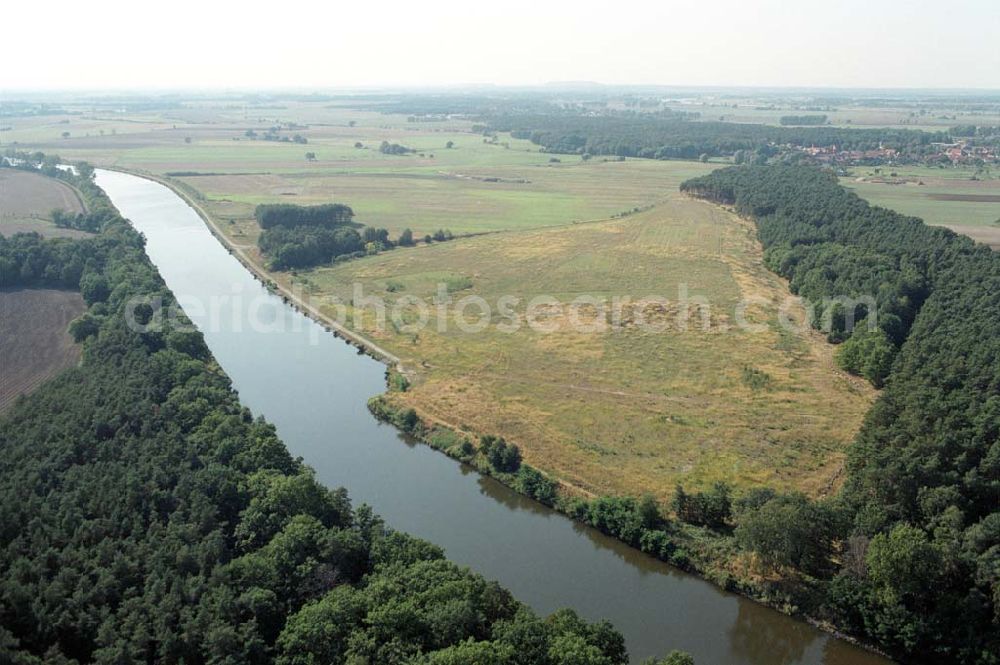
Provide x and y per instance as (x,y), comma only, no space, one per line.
(314,388)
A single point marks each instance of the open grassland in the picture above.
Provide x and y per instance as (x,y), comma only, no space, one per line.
(618,409)
(463,199)
(34,344)
(473,186)
(28,199)
(944,197)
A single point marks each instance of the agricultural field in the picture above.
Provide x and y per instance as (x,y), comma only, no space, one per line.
(27,201)
(474,186)
(34,342)
(618,409)
(962,199)
(931,117)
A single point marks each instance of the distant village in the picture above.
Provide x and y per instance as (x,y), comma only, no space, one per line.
(959,153)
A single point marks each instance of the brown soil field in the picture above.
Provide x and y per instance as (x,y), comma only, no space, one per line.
(34,343)
(24,194)
(47,229)
(988,235)
(973,198)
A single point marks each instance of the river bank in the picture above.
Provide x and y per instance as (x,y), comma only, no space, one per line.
(540,556)
(699,551)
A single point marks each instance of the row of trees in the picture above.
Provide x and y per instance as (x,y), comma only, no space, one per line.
(146,516)
(917,525)
(669,137)
(328,215)
(803,120)
(981,133)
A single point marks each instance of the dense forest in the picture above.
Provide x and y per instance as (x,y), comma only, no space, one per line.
(147,517)
(656,137)
(919,519)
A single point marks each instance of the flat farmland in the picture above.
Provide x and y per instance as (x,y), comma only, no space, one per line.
(28,199)
(464,199)
(942,197)
(752,110)
(34,343)
(476,185)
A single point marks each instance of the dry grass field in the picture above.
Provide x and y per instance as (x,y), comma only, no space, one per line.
(617,408)
(27,200)
(34,343)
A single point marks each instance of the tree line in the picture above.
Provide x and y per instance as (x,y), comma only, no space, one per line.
(146,516)
(803,119)
(669,137)
(837,251)
(917,526)
(328,215)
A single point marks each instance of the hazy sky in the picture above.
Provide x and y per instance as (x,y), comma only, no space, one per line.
(291,43)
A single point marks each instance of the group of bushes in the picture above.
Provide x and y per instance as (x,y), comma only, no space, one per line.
(493,455)
(146,516)
(387,148)
(296,236)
